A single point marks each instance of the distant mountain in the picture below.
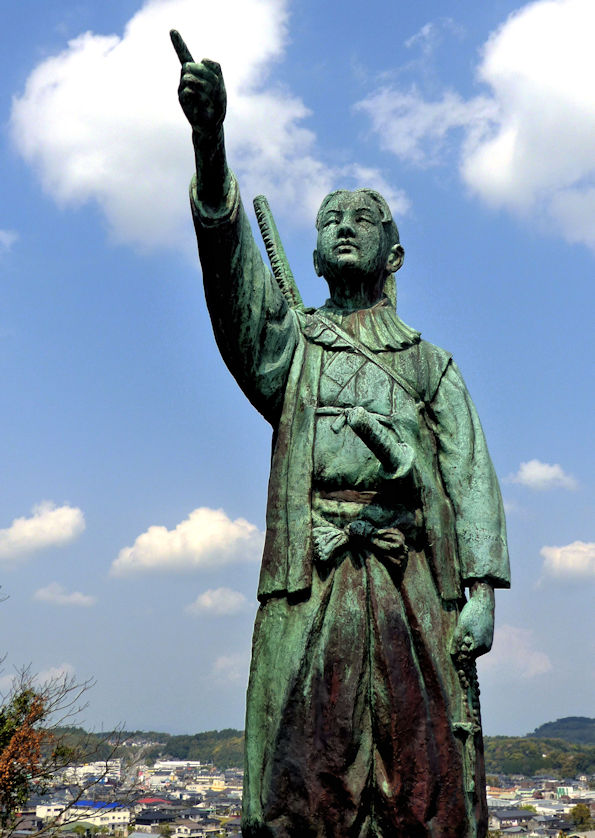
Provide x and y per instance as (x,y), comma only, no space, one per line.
(223,748)
(577,729)
(565,748)
(533,756)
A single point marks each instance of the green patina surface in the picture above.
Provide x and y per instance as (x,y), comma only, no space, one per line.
(385,530)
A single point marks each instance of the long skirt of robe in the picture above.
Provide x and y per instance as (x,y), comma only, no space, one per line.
(353,709)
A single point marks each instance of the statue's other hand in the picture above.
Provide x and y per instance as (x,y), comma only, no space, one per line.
(475,629)
(358,418)
(397,457)
(201,90)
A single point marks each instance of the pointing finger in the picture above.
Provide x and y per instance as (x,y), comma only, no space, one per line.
(180,47)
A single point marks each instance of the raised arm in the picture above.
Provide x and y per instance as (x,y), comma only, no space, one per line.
(255,329)
(204,101)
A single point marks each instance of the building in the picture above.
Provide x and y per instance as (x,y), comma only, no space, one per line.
(108,816)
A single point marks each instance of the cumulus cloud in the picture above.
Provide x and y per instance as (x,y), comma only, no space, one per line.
(219,602)
(206,539)
(48,526)
(7,239)
(514,654)
(541,476)
(100,121)
(56,594)
(573,561)
(527,146)
(417,130)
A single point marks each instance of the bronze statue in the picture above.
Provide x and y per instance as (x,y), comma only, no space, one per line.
(383,509)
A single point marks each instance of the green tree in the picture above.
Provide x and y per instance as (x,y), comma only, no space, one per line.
(32,747)
(21,741)
(580,815)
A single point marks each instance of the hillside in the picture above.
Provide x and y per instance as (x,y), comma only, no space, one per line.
(534,754)
(577,729)
(223,748)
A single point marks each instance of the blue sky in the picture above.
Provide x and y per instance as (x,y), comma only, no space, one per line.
(134,472)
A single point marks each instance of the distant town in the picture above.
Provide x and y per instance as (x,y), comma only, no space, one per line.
(191,798)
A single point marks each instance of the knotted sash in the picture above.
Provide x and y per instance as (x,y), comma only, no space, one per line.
(361,539)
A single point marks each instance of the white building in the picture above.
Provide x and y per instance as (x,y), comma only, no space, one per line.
(49,811)
(110,816)
(172,765)
(109,770)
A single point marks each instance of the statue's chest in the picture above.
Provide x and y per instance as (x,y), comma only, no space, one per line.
(349,380)
(341,458)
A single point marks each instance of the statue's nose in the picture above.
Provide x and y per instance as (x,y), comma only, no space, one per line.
(345,228)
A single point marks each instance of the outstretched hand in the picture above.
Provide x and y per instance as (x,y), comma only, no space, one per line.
(201,91)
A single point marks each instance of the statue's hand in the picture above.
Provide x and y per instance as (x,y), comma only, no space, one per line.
(475,630)
(201,91)
(358,419)
(397,457)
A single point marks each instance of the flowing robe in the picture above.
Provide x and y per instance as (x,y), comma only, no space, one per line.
(358,722)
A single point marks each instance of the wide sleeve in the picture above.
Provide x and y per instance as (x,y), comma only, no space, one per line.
(256,330)
(470,483)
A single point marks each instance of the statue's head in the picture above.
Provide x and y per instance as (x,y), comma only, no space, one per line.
(358,246)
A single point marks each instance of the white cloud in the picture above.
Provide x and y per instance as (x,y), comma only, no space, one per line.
(541,476)
(539,64)
(528,146)
(48,526)
(57,595)
(573,561)
(429,35)
(417,130)
(206,539)
(233,667)
(100,121)
(7,239)
(514,655)
(219,602)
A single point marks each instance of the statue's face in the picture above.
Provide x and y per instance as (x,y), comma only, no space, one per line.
(351,237)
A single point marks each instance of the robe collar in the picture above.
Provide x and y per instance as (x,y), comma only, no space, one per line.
(378,328)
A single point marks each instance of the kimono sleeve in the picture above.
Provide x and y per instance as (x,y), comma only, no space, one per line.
(255,329)
(471,483)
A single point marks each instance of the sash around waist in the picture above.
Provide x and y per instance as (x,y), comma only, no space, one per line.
(348,495)
(341,508)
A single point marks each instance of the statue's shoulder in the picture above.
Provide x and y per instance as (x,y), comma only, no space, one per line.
(434,354)
(426,365)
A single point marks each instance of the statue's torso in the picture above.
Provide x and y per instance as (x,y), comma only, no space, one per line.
(341,459)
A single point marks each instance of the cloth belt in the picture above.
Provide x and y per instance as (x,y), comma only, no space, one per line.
(361,539)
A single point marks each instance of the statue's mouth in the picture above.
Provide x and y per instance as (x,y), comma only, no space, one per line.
(345,247)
